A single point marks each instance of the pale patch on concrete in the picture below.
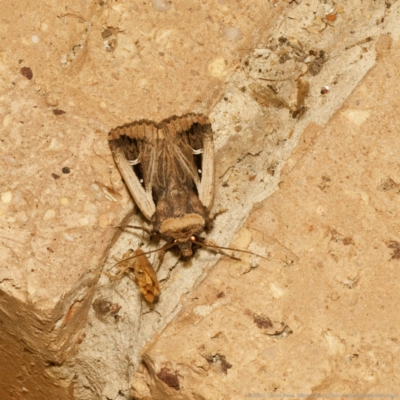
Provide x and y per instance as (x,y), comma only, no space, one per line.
(217,68)
(49,214)
(6,197)
(203,310)
(276,290)
(357,117)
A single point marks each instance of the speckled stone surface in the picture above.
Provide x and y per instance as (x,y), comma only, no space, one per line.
(319,319)
(316,172)
(70,71)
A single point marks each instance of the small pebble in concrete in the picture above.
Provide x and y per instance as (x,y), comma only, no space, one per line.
(68,237)
(6,197)
(49,214)
(27,72)
(325,90)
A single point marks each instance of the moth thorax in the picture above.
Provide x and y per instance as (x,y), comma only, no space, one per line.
(183,228)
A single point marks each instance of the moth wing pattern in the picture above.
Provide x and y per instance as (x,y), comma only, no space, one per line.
(190,140)
(206,192)
(133,143)
(151,155)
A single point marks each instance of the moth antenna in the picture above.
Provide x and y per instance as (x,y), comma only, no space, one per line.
(166,247)
(207,244)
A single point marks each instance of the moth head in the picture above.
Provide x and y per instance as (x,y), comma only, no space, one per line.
(186,249)
(182,229)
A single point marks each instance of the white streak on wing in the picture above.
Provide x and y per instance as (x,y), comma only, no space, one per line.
(143,198)
(134,162)
(186,165)
(206,187)
(151,169)
(197,152)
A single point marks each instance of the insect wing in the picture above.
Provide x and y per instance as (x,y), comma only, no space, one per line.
(146,277)
(134,152)
(193,149)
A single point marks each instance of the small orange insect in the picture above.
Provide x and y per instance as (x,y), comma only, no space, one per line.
(144,273)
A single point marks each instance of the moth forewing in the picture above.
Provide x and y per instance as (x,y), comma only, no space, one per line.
(201,142)
(142,198)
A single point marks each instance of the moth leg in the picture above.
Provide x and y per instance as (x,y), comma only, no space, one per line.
(218,213)
(147,230)
(119,259)
(211,218)
(123,269)
(161,254)
(121,273)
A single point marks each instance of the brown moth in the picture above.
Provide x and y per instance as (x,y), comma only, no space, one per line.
(144,273)
(169,170)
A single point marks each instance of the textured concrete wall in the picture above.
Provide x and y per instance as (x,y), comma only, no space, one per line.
(302,97)
(70,71)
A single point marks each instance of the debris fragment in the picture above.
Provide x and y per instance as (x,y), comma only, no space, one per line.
(27,72)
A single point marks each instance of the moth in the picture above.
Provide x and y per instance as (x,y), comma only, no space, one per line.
(168,168)
(144,273)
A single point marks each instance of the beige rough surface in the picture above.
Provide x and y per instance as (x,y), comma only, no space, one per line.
(107,63)
(321,316)
(94,65)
